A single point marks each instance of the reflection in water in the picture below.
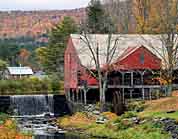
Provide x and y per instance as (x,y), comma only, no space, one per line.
(59,136)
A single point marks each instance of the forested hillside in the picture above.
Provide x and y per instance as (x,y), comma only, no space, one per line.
(16,24)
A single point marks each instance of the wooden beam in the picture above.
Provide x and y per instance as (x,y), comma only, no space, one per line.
(150,93)
(132,82)
(73,96)
(77,95)
(143,93)
(81,96)
(131,94)
(123,81)
(123,95)
(68,94)
(85,96)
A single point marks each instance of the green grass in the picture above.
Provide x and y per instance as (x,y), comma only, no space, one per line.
(124,128)
(159,115)
(144,131)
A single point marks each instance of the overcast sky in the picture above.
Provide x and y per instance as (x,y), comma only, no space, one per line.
(41,4)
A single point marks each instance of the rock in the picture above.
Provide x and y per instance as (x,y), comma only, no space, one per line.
(143,121)
(47,115)
(170,126)
(96,112)
(101,120)
(60,131)
(135,120)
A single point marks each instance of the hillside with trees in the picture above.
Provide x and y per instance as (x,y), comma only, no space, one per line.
(36,24)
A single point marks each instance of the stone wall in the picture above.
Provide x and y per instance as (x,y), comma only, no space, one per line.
(4,104)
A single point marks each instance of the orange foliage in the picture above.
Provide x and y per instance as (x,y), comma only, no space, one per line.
(110,115)
(7,132)
(152,16)
(77,119)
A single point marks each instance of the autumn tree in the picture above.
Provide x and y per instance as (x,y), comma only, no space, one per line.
(160,17)
(24,55)
(141,9)
(40,54)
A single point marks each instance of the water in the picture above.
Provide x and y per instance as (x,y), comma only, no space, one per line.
(59,136)
(35,114)
(32,105)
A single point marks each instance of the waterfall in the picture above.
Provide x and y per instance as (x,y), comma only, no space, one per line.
(31,105)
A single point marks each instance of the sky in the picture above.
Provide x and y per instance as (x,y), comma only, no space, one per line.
(8,5)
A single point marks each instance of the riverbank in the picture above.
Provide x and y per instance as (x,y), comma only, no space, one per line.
(127,126)
(157,119)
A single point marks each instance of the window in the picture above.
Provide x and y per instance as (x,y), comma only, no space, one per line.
(142,58)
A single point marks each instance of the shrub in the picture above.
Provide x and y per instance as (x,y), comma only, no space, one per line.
(137,106)
(129,114)
(123,124)
(30,85)
(3,117)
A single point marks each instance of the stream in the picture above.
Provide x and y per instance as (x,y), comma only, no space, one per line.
(35,114)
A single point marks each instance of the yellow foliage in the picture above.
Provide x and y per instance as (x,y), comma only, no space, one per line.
(110,115)
(76,120)
(7,131)
(64,122)
(152,16)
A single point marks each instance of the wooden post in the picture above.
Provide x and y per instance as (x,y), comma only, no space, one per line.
(132,82)
(68,92)
(150,92)
(143,89)
(77,95)
(85,96)
(131,94)
(73,96)
(123,78)
(143,93)
(123,95)
(81,96)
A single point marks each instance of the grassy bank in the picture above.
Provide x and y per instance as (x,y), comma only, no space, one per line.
(163,108)
(122,127)
(116,127)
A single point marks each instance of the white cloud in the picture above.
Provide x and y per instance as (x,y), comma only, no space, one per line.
(41,4)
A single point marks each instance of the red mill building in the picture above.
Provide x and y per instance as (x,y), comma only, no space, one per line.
(134,63)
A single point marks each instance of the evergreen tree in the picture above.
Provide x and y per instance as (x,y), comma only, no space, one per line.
(54,55)
(98,21)
(3,66)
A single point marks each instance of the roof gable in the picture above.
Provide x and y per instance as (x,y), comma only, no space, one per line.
(125,42)
(127,52)
(140,58)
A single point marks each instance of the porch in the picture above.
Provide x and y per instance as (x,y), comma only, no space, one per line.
(138,84)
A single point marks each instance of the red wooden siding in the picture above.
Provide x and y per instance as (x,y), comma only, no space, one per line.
(75,73)
(141,58)
(71,65)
